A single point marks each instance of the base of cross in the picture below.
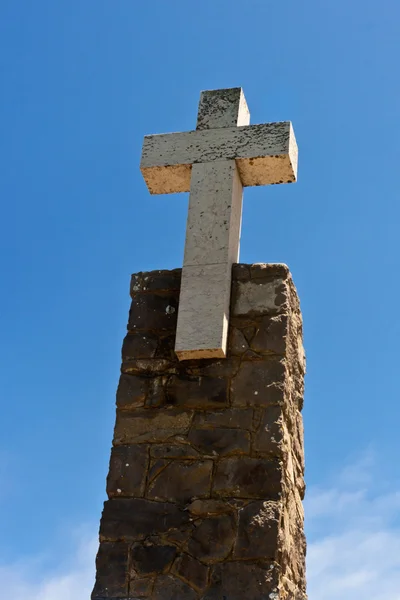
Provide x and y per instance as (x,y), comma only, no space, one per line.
(205,484)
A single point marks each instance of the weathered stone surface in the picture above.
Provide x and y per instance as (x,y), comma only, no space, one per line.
(191,571)
(150,425)
(170,451)
(271,335)
(270,435)
(209,460)
(153,312)
(222,442)
(131,391)
(213,539)
(222,108)
(134,519)
(149,559)
(240,580)
(258,298)
(258,531)
(248,478)
(237,342)
(265,154)
(205,508)
(180,481)
(128,469)
(112,571)
(200,392)
(172,588)
(140,588)
(241,418)
(139,345)
(259,383)
(156,281)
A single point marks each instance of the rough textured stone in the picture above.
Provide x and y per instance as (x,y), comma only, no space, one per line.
(258,530)
(191,571)
(270,435)
(139,345)
(150,559)
(239,580)
(150,425)
(248,478)
(140,588)
(112,571)
(181,481)
(231,418)
(256,298)
(171,587)
(131,391)
(156,281)
(208,457)
(213,539)
(223,442)
(128,468)
(259,383)
(135,519)
(153,311)
(271,336)
(200,392)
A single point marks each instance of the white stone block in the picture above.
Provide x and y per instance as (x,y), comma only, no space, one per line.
(265,154)
(215,212)
(203,312)
(222,108)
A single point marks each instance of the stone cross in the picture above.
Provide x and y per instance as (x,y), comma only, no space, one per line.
(224,154)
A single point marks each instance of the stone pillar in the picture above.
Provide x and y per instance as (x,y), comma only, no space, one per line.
(206,481)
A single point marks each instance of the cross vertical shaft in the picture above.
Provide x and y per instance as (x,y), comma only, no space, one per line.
(212,236)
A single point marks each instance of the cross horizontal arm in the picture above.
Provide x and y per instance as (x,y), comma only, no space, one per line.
(265,154)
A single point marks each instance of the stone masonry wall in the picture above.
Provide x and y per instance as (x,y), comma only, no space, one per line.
(206,481)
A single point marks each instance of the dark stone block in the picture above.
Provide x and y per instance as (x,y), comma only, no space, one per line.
(150,425)
(139,345)
(131,391)
(152,560)
(259,383)
(202,392)
(128,469)
(271,335)
(150,281)
(269,271)
(269,437)
(213,539)
(237,343)
(181,481)
(191,571)
(170,451)
(241,418)
(258,531)
(134,519)
(248,478)
(223,442)
(141,588)
(240,580)
(168,587)
(153,312)
(112,571)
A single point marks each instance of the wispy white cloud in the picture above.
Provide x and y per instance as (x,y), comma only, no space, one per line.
(354,536)
(73,579)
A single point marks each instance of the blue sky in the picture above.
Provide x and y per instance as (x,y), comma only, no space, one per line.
(82,83)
